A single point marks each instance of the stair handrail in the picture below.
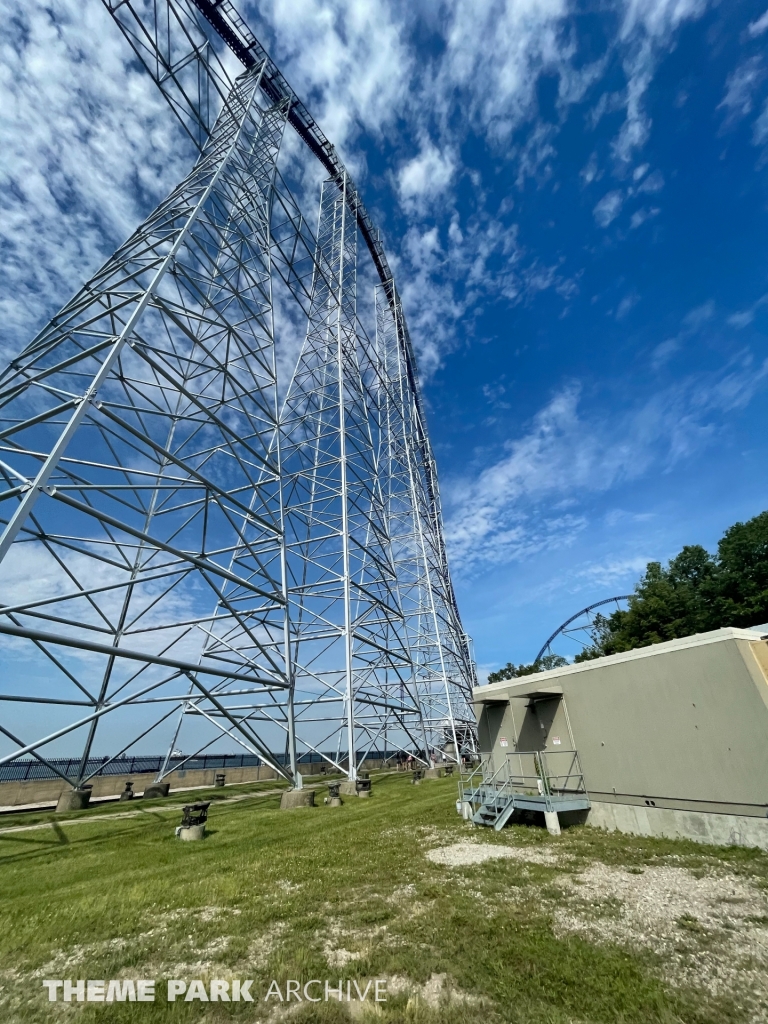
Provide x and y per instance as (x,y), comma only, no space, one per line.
(465,783)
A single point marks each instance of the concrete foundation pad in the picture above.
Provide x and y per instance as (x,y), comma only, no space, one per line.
(717,829)
(364,793)
(156,790)
(74,800)
(348,788)
(191,833)
(334,801)
(433,773)
(297,798)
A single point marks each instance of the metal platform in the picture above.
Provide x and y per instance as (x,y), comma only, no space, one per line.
(495,793)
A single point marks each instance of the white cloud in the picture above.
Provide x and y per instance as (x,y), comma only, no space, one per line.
(534,155)
(664,352)
(757,27)
(642,215)
(609,207)
(653,183)
(495,52)
(591,172)
(647,31)
(743,319)
(659,18)
(347,60)
(693,321)
(512,508)
(425,177)
(760,127)
(611,575)
(490,518)
(89,147)
(740,89)
(627,303)
(699,315)
(746,316)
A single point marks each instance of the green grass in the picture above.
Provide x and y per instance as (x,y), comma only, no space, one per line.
(270,894)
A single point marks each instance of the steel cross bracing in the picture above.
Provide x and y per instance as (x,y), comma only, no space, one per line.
(185,548)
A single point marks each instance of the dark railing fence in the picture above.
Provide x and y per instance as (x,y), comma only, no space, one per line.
(24,770)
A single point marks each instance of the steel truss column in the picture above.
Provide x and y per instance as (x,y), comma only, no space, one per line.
(345,325)
(342,576)
(259,170)
(159,490)
(166,528)
(443,675)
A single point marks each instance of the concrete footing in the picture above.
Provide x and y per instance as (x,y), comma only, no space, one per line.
(297,798)
(157,789)
(552,822)
(701,827)
(433,773)
(348,788)
(74,799)
(334,801)
(191,832)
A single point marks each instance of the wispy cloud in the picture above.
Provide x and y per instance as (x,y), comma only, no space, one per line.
(647,32)
(608,208)
(757,27)
(425,177)
(693,321)
(741,86)
(88,149)
(745,316)
(627,303)
(69,77)
(515,507)
(640,216)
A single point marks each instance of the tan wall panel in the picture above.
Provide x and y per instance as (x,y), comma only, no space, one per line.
(686,725)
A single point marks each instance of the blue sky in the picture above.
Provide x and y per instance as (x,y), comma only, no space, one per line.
(574,199)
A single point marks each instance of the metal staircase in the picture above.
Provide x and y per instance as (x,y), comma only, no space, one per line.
(523,781)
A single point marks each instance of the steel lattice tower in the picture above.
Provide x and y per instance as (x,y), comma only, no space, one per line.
(222,548)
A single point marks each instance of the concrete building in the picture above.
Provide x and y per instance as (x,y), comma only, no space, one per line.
(667,740)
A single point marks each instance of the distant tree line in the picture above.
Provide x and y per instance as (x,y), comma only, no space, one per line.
(695,592)
(511,671)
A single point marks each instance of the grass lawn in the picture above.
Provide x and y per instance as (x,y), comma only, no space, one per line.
(589,927)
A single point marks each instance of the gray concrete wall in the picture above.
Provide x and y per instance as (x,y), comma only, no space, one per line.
(717,829)
(47,791)
(683,725)
(38,791)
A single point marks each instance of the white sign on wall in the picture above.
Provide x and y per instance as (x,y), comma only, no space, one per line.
(503,742)
(555,741)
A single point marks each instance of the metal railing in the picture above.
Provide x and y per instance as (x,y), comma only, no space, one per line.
(512,777)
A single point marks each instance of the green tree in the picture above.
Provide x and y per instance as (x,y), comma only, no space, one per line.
(742,555)
(694,593)
(511,671)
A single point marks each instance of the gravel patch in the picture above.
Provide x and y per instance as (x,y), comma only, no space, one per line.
(465,854)
(438,990)
(710,931)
